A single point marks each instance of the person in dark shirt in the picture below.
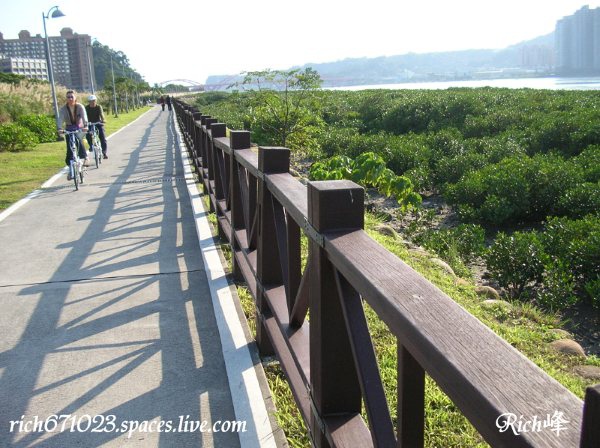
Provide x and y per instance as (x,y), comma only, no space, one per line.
(95,114)
(169,103)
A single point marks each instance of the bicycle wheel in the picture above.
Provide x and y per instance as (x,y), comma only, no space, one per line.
(75,174)
(97,156)
(99,147)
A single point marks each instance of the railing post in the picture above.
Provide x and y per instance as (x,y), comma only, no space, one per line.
(334,385)
(196,133)
(590,427)
(411,400)
(237,140)
(208,150)
(268,265)
(218,130)
(202,145)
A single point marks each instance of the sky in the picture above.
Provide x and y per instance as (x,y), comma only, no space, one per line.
(191,40)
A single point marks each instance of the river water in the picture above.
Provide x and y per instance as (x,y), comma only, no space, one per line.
(552,83)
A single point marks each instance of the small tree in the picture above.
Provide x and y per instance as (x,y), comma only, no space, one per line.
(283,107)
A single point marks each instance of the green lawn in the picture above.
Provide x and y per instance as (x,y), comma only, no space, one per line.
(24,171)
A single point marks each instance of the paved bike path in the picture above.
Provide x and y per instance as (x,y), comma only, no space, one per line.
(105,310)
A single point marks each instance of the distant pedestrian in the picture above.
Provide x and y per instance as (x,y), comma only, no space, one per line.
(169,102)
(161,100)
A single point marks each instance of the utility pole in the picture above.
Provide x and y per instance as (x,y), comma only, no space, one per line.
(115,109)
(55,13)
(90,67)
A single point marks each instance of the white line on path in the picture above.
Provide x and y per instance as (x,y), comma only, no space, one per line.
(20,203)
(248,401)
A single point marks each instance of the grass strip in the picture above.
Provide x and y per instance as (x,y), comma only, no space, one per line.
(24,171)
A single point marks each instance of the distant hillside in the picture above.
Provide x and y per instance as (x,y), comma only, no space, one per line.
(525,58)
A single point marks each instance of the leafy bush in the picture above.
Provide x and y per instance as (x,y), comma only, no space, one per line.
(592,288)
(368,169)
(43,126)
(564,261)
(589,162)
(450,170)
(580,200)
(466,239)
(458,246)
(575,244)
(519,189)
(558,286)
(516,261)
(14,137)
(12,78)
(211,97)
(11,107)
(497,194)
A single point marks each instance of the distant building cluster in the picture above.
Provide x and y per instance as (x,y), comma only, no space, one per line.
(577,43)
(27,56)
(33,68)
(538,57)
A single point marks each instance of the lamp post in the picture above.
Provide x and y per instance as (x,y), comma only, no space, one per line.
(114,90)
(88,48)
(55,13)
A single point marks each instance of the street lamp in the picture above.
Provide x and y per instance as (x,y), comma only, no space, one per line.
(55,13)
(116,111)
(88,48)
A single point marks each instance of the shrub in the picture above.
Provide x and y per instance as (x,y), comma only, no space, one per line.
(458,246)
(516,261)
(589,162)
(558,290)
(579,201)
(452,169)
(14,137)
(211,97)
(41,125)
(368,169)
(592,288)
(576,244)
(11,107)
(518,189)
(498,194)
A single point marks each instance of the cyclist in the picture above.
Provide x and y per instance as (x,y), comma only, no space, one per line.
(74,117)
(95,114)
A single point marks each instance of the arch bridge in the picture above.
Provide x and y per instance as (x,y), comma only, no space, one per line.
(193,85)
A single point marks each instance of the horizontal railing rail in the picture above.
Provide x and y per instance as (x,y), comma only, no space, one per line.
(330,362)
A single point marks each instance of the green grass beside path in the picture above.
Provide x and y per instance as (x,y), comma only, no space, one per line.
(24,171)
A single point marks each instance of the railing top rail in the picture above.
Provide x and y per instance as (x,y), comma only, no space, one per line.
(483,374)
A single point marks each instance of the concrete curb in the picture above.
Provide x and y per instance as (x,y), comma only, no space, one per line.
(248,400)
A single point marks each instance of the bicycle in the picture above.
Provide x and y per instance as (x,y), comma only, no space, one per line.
(95,139)
(76,165)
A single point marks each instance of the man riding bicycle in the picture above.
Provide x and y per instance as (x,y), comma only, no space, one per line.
(74,118)
(95,114)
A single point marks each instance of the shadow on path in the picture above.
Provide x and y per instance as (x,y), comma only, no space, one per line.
(124,327)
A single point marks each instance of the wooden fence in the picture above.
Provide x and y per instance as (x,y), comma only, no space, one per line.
(330,363)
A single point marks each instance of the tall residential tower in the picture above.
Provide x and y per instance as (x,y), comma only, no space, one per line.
(69,55)
(578,43)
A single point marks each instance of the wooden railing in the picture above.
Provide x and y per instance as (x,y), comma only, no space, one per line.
(330,363)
